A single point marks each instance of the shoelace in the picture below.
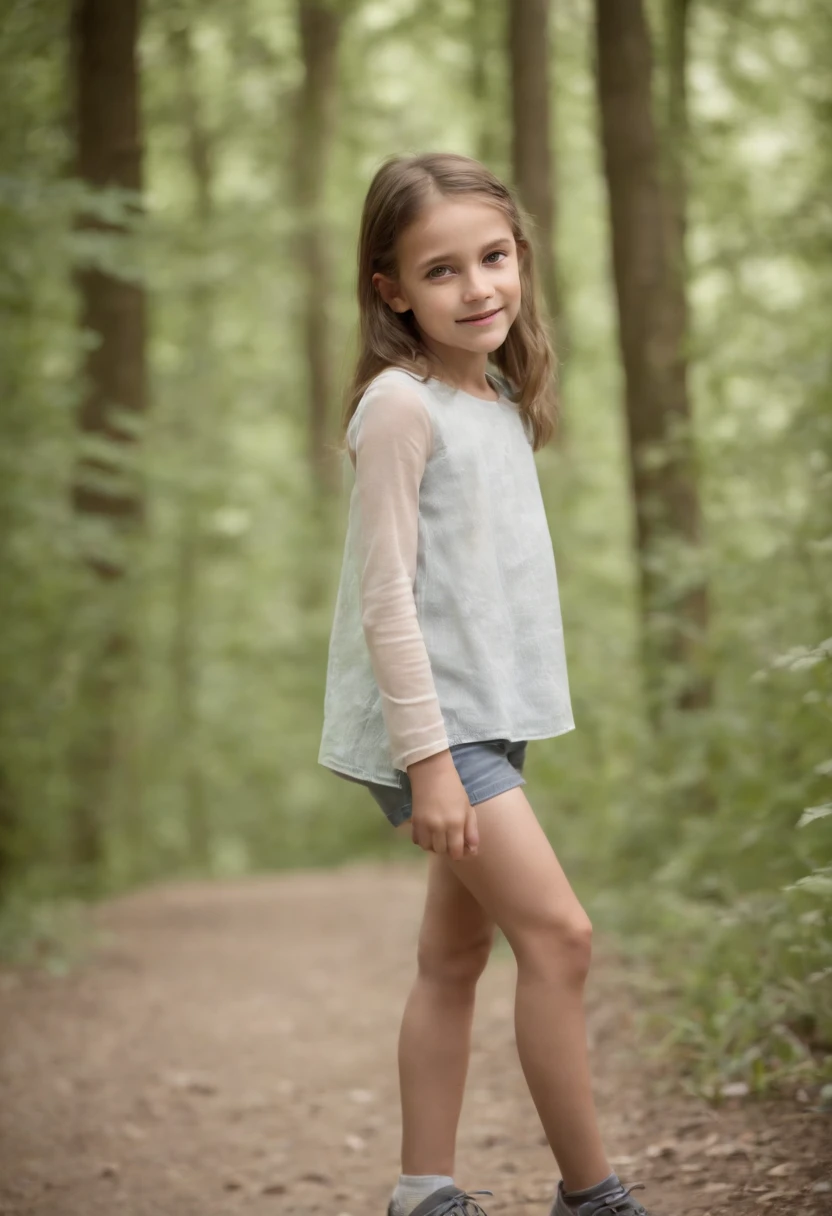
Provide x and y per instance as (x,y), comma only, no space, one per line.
(623,1205)
(458,1205)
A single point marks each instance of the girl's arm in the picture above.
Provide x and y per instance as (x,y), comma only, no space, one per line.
(393,443)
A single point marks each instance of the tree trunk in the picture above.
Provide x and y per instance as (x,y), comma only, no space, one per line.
(320,27)
(532,164)
(105,492)
(652,316)
(676,142)
(189,430)
(486,113)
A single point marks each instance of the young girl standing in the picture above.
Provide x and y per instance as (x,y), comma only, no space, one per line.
(447,656)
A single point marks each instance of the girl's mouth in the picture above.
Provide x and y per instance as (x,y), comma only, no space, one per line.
(482,319)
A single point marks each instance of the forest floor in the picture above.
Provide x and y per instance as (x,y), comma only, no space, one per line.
(231,1048)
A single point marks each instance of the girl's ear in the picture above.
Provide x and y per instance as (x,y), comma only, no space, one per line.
(389,291)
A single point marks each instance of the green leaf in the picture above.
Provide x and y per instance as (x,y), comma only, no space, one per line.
(819,883)
(811,813)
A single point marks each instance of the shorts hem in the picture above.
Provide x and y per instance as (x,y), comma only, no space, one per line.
(404,813)
(401,815)
(495,788)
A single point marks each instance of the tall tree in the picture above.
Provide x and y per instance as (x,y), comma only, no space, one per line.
(481,39)
(319,23)
(652,316)
(676,13)
(105,491)
(533,167)
(190,425)
(674,147)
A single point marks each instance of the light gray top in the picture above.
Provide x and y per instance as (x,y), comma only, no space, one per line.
(447,623)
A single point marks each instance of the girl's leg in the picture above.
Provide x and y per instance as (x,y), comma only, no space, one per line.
(517,879)
(434,1043)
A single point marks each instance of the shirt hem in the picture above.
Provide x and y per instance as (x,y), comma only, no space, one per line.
(337,765)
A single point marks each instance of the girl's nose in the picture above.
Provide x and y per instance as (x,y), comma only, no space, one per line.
(478,288)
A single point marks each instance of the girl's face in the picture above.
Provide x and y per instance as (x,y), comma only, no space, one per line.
(457,261)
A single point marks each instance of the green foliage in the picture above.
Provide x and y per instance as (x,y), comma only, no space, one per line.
(56,935)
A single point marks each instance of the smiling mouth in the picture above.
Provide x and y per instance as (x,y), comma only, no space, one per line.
(480,316)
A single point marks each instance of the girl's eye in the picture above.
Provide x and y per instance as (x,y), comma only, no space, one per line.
(495,253)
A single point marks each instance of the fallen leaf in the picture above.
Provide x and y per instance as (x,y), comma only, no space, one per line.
(781,1170)
(734,1089)
(725,1149)
(665,1149)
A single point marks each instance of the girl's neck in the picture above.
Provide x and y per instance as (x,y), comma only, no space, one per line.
(466,374)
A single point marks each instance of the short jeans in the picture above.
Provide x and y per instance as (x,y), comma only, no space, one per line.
(486,768)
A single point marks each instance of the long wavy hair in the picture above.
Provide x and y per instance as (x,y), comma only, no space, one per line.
(400,189)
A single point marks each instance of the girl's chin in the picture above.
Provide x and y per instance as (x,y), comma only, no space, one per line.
(488,339)
(472,337)
(495,332)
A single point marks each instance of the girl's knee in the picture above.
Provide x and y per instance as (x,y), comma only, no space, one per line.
(557,942)
(579,944)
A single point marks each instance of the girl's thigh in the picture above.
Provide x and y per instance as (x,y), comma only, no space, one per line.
(455,926)
(515,876)
(453,919)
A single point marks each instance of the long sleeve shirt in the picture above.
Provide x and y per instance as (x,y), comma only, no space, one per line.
(447,625)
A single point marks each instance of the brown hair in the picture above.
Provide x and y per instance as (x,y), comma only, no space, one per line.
(397,194)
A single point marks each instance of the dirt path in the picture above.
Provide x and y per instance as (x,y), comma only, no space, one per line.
(231,1048)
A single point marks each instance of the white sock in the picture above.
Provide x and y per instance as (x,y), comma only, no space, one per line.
(413,1188)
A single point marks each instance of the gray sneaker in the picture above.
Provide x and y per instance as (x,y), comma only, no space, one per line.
(605,1205)
(447,1201)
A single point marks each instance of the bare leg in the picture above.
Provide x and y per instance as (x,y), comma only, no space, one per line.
(519,882)
(435,1038)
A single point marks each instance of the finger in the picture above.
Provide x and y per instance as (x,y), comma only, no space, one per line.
(472,833)
(456,844)
(439,842)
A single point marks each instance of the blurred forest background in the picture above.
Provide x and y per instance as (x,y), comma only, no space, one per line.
(181,186)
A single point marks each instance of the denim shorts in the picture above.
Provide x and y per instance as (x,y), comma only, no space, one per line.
(486,768)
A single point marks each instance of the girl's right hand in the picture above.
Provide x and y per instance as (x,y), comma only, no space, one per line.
(443,820)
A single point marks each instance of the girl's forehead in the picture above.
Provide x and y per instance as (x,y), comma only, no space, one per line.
(455,223)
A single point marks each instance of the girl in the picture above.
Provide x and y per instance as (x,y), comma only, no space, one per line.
(446,656)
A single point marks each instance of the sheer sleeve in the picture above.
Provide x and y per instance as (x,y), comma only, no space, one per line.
(393,439)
